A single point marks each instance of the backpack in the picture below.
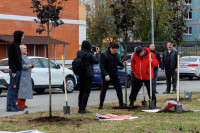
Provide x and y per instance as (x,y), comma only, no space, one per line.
(78,65)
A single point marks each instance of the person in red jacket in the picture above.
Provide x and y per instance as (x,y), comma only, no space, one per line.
(140,67)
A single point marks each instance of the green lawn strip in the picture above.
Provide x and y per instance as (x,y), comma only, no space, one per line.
(147,122)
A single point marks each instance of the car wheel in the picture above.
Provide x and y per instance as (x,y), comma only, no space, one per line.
(190,78)
(70,85)
(0,90)
(39,90)
(129,82)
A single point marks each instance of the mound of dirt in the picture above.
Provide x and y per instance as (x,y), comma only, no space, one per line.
(61,121)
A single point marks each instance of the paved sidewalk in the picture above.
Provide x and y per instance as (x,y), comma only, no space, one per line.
(41,102)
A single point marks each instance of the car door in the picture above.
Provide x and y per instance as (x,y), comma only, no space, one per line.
(56,73)
(38,74)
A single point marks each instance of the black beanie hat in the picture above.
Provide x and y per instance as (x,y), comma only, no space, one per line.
(86,45)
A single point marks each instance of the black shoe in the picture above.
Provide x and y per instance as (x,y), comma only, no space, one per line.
(131,104)
(26,106)
(83,112)
(173,92)
(156,92)
(100,107)
(122,105)
(166,92)
(12,110)
(88,111)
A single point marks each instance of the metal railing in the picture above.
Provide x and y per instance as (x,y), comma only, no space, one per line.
(189,51)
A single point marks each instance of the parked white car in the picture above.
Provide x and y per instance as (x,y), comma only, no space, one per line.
(40,75)
(190,66)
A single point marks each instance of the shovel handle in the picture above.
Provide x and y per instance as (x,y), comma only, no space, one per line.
(150,76)
(143,89)
(64,79)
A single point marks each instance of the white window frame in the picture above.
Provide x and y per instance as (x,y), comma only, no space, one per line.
(188,15)
(188,31)
(187,3)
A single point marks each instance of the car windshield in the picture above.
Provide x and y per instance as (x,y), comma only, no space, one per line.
(192,59)
(3,62)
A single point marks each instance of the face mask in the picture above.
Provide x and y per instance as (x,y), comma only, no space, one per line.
(169,47)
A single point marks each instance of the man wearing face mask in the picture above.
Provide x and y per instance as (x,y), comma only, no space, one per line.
(170,66)
(108,64)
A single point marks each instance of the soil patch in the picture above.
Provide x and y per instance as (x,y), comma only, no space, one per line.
(126,107)
(61,121)
(181,99)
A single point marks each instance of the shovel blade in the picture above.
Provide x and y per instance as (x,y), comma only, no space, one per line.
(152,104)
(144,103)
(179,108)
(66,110)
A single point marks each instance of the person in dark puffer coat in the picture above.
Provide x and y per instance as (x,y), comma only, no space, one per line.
(15,66)
(86,78)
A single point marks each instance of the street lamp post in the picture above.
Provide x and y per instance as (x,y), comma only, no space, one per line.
(152,23)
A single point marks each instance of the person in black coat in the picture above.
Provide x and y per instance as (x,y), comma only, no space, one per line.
(156,69)
(108,64)
(15,66)
(170,66)
(86,78)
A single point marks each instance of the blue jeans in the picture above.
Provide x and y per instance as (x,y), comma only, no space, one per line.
(13,93)
(155,72)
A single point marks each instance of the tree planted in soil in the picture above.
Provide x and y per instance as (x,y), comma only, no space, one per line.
(47,11)
(124,13)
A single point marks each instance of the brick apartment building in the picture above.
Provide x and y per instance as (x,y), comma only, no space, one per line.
(17,15)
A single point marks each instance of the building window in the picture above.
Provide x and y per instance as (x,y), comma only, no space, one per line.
(188,31)
(188,15)
(188,2)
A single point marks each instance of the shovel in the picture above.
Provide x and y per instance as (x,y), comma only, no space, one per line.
(178,106)
(66,108)
(152,104)
(144,103)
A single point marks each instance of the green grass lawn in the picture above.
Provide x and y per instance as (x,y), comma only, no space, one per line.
(147,122)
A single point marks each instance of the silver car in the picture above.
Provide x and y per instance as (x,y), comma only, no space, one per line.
(190,66)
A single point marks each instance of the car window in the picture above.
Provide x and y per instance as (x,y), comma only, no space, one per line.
(129,60)
(45,62)
(36,62)
(3,62)
(189,59)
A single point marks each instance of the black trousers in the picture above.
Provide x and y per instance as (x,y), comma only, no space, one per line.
(137,84)
(116,83)
(84,92)
(132,80)
(171,74)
